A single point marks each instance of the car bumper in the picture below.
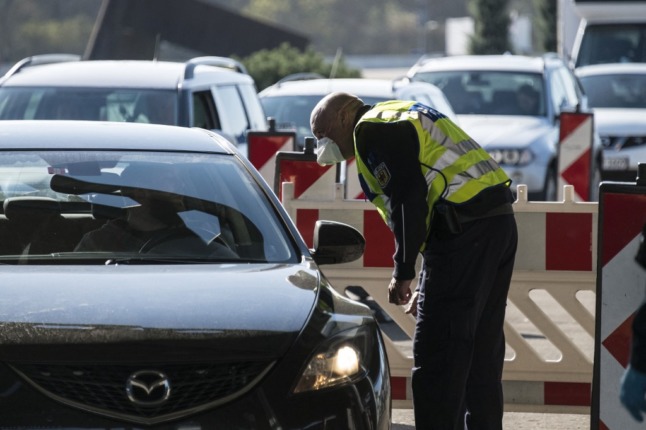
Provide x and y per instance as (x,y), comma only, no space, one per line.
(349,406)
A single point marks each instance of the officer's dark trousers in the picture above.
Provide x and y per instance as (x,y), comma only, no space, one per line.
(459,344)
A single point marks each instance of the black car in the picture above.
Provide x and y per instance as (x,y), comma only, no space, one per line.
(151,279)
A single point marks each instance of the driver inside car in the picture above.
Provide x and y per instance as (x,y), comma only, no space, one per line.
(153,223)
(140,223)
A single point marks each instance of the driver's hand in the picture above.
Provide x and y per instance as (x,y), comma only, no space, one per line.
(399,291)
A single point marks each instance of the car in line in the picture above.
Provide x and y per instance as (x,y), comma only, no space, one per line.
(151,278)
(215,93)
(510,104)
(291,100)
(617,95)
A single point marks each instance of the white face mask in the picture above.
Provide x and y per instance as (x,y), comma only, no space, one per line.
(328,152)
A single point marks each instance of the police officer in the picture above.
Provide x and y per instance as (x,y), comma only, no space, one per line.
(441,194)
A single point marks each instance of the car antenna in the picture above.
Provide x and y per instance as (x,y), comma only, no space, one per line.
(335,63)
(157,41)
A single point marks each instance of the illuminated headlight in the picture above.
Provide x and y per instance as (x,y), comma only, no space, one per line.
(512,157)
(339,363)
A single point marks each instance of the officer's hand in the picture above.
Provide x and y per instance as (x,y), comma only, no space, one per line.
(633,390)
(399,291)
(412,306)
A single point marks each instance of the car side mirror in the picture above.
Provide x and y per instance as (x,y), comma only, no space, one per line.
(336,243)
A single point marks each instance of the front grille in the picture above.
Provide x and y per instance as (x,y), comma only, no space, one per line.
(102,388)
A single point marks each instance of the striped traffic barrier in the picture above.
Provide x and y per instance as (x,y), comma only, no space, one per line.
(575,160)
(620,290)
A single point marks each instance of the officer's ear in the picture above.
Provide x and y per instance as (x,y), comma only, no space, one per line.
(344,117)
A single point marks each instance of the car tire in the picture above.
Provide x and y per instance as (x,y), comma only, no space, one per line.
(550,187)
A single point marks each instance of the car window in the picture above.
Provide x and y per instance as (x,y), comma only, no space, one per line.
(569,84)
(612,43)
(257,118)
(293,112)
(63,206)
(559,94)
(488,92)
(232,112)
(615,90)
(124,105)
(204,113)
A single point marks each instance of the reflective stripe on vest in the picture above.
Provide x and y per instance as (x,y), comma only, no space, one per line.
(454,166)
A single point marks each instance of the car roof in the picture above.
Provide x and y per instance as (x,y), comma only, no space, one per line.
(94,135)
(119,74)
(512,63)
(611,69)
(317,87)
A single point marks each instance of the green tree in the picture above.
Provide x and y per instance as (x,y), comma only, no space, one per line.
(270,65)
(545,22)
(491,32)
(357,27)
(31,27)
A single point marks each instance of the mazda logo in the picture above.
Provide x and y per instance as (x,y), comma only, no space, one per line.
(148,388)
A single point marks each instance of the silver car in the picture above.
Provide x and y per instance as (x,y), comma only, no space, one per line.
(510,104)
(291,100)
(617,95)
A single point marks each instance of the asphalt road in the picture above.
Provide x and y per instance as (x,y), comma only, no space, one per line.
(403,420)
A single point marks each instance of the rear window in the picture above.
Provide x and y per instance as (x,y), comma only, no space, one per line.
(612,43)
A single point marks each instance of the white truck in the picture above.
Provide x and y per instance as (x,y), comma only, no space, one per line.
(595,31)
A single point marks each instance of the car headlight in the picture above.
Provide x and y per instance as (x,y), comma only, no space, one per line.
(512,157)
(339,361)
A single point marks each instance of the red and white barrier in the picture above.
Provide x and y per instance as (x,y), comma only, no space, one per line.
(575,153)
(557,255)
(620,290)
(263,147)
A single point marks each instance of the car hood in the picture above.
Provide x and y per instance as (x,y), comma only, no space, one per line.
(620,122)
(504,130)
(235,310)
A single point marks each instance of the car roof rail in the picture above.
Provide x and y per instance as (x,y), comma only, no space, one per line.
(37,60)
(300,77)
(226,62)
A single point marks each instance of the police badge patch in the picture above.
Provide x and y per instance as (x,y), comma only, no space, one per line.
(382,174)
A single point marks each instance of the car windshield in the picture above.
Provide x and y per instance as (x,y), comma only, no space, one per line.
(293,112)
(615,91)
(77,206)
(124,105)
(490,92)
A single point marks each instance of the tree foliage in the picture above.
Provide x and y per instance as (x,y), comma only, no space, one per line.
(270,65)
(31,27)
(357,27)
(491,18)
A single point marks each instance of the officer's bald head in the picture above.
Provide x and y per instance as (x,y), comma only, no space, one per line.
(330,110)
(334,117)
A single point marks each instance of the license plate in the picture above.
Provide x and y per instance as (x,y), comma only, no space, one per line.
(615,163)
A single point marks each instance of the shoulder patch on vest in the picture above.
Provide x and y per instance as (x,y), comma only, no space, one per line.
(382,174)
